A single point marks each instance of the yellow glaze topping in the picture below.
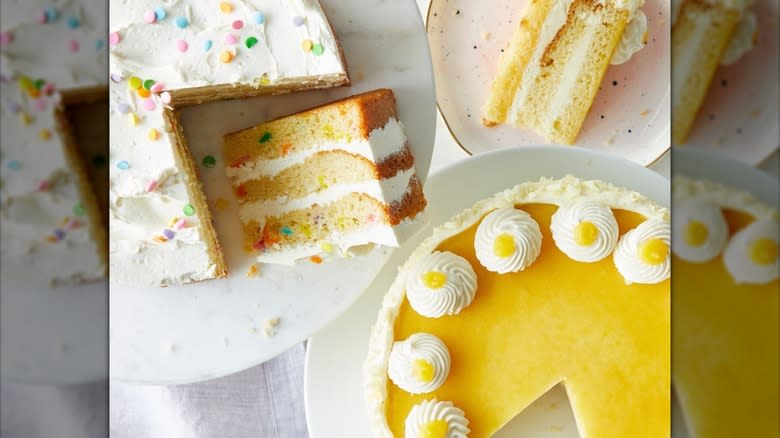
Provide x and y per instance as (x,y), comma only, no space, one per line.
(434,280)
(558,320)
(423,370)
(763,252)
(696,234)
(434,429)
(504,246)
(585,233)
(654,251)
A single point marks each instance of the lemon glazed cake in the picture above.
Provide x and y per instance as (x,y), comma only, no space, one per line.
(553,66)
(164,55)
(552,281)
(705,35)
(326,179)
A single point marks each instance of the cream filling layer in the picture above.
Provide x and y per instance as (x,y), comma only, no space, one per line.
(380,144)
(387,190)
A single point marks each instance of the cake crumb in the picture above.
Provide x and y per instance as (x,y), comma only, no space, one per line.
(552,407)
(253,271)
(644,113)
(662,21)
(755,112)
(269,327)
(485,36)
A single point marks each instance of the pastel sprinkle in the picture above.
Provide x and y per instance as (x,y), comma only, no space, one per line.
(160,239)
(207,45)
(72,224)
(59,234)
(143,92)
(172,221)
(43,186)
(38,83)
(6,38)
(266,137)
(13,107)
(26,119)
(150,17)
(182,22)
(226,7)
(181,223)
(148,84)
(114,38)
(156,88)
(73,22)
(165,97)
(182,46)
(51,14)
(99,44)
(116,78)
(209,161)
(48,89)
(298,21)
(188,210)
(265,80)
(317,49)
(327,247)
(123,108)
(14,164)
(134,82)
(133,118)
(40,105)
(259,18)
(238,24)
(226,56)
(51,239)
(159,13)
(151,185)
(149,105)
(316,260)
(251,41)
(79,210)
(154,134)
(123,165)
(73,46)
(45,134)
(230,39)
(168,234)
(286,231)
(307,45)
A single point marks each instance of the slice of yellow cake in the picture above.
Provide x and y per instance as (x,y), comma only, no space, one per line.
(705,34)
(553,66)
(329,178)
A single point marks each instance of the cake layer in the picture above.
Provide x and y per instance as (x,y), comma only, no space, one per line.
(321,171)
(700,35)
(344,124)
(558,83)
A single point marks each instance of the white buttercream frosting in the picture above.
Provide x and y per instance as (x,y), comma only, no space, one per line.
(633,39)
(419,350)
(508,223)
(699,231)
(441,283)
(743,39)
(433,410)
(629,261)
(598,217)
(739,255)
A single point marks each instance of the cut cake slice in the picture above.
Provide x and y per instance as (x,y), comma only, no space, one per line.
(333,177)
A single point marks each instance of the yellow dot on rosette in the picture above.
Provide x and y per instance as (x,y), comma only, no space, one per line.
(434,429)
(422,370)
(504,245)
(696,233)
(763,251)
(653,251)
(585,233)
(434,280)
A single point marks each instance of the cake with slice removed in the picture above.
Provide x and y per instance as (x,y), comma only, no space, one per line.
(326,179)
(552,68)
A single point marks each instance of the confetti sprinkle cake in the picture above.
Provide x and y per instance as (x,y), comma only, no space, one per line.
(552,68)
(326,179)
(168,54)
(53,57)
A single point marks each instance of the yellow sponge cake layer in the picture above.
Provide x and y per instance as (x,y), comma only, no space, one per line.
(335,176)
(700,35)
(552,69)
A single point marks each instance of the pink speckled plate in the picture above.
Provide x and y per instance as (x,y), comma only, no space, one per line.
(630,116)
(739,116)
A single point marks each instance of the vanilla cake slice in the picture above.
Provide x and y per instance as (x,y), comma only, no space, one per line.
(326,179)
(552,68)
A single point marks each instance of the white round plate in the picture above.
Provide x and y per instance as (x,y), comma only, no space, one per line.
(215,328)
(334,358)
(739,115)
(630,114)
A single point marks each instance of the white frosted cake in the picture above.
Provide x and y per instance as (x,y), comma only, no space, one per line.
(167,55)
(52,55)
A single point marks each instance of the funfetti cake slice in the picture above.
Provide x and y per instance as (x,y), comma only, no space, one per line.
(552,68)
(324,180)
(168,54)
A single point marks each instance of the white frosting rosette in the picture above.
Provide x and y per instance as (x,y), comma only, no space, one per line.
(585,231)
(419,364)
(643,254)
(699,231)
(431,417)
(751,256)
(441,283)
(507,240)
